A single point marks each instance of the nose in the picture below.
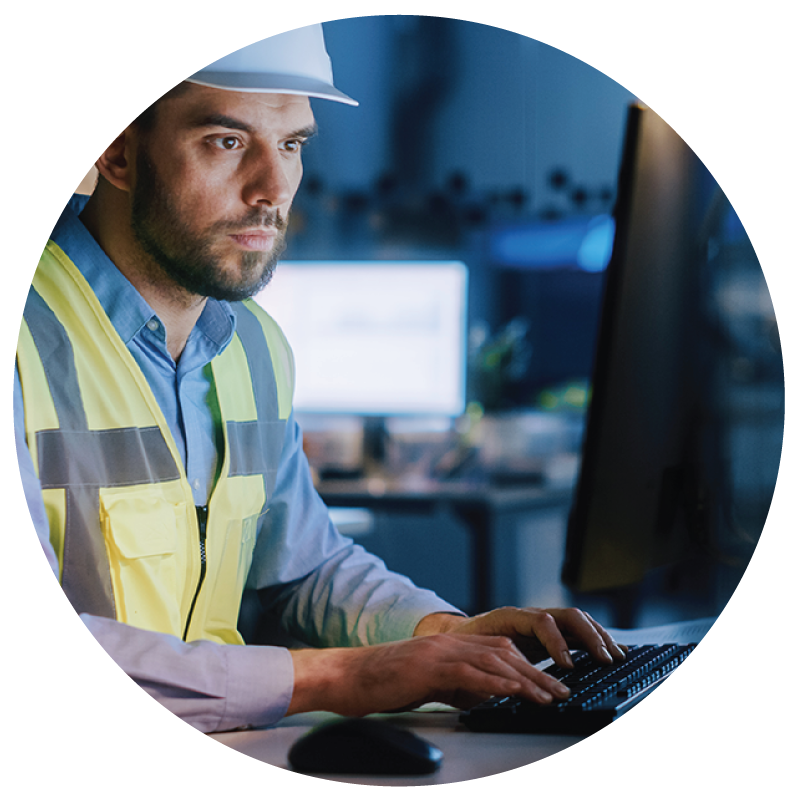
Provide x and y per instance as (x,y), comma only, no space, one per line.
(271,180)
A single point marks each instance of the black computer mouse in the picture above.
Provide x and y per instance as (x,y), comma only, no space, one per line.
(363,746)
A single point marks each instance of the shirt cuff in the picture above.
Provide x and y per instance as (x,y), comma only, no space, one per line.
(213,687)
(260,683)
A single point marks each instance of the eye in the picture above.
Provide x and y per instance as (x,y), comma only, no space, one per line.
(227,142)
(294,145)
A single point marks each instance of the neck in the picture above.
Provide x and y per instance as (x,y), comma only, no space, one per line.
(179,320)
(107,217)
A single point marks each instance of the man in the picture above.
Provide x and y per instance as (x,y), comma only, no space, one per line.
(160,457)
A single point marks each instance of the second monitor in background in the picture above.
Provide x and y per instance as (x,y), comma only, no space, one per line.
(374,339)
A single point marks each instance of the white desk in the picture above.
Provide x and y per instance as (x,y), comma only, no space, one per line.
(467,755)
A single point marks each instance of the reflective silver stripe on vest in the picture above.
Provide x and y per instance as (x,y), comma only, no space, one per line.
(55,351)
(80,461)
(255,446)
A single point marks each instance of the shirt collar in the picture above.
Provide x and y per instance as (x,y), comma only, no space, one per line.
(128,311)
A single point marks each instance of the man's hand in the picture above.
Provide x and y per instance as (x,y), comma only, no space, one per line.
(458,669)
(537,632)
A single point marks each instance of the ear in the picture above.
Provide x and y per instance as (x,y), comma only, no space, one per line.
(115,164)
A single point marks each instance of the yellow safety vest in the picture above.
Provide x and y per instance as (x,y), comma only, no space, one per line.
(130,542)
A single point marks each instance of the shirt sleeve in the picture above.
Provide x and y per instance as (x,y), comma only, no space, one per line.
(325,589)
(213,687)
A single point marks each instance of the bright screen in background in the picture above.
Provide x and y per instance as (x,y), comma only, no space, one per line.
(374,337)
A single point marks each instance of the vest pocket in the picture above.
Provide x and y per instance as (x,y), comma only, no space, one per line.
(234,565)
(145,535)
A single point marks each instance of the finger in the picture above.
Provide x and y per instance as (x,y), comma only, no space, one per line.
(542,625)
(539,686)
(509,665)
(590,635)
(473,685)
(617,651)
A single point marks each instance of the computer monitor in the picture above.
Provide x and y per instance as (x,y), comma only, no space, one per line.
(654,487)
(374,338)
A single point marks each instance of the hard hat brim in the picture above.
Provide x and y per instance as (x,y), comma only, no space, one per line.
(271,83)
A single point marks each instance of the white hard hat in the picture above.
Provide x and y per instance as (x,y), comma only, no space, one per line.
(295,62)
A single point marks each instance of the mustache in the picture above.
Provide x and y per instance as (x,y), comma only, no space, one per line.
(257,218)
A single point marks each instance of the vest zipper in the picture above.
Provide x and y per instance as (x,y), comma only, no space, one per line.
(202,519)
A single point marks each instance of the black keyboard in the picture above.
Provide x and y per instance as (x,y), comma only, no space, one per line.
(600,694)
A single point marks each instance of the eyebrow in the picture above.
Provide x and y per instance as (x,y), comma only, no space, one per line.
(216,120)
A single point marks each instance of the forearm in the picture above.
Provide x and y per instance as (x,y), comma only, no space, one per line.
(451,668)
(324,678)
(319,678)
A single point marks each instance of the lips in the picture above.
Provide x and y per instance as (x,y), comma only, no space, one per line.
(255,239)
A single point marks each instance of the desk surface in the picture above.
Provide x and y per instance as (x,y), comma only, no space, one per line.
(378,491)
(467,755)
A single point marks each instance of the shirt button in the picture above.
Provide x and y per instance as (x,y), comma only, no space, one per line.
(196,484)
(153,325)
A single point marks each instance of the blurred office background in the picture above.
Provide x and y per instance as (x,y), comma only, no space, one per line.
(472,144)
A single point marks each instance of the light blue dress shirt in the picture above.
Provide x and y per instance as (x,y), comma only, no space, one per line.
(324,588)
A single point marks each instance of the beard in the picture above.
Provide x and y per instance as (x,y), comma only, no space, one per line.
(187,257)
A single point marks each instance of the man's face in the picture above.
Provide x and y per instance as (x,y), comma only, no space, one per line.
(214,181)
